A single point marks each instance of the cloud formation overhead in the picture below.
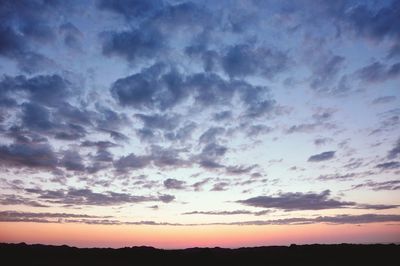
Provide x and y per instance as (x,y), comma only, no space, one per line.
(195,113)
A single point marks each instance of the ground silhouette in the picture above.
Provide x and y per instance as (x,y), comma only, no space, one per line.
(341,254)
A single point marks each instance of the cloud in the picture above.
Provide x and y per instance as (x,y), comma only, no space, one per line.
(35,155)
(378,72)
(297,201)
(244,59)
(211,134)
(377,186)
(152,88)
(325,72)
(166,198)
(322,141)
(322,156)
(130,162)
(46,217)
(72,36)
(213,150)
(240,169)
(160,87)
(133,44)
(19,200)
(306,201)
(393,153)
(199,185)
(159,121)
(72,161)
(130,9)
(172,183)
(49,90)
(337,219)
(98,144)
(25,24)
(73,196)
(13,216)
(220,186)
(376,24)
(384,99)
(348,176)
(236,212)
(388,165)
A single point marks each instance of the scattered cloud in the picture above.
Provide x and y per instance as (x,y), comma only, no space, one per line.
(322,156)
(306,201)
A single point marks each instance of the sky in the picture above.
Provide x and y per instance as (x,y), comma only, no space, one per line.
(199,123)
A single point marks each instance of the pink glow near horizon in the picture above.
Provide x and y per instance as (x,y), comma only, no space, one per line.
(200,236)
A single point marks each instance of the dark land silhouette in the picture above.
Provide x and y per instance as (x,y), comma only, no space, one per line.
(341,254)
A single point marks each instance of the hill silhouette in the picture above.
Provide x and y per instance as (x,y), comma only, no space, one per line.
(341,254)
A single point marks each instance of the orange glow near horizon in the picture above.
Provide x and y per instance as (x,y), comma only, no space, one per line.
(171,237)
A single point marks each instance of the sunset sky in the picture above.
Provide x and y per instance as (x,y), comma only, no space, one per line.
(199,123)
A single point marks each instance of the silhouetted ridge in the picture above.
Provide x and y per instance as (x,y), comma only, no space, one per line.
(342,254)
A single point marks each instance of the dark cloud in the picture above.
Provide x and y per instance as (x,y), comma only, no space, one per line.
(377,186)
(156,88)
(388,165)
(12,216)
(49,90)
(73,196)
(18,216)
(131,9)
(183,133)
(307,201)
(303,128)
(377,24)
(159,121)
(110,119)
(395,152)
(358,219)
(322,156)
(348,176)
(210,164)
(256,130)
(152,23)
(213,150)
(98,144)
(337,219)
(318,125)
(152,88)
(220,186)
(36,117)
(166,198)
(72,35)
(35,155)
(325,72)
(24,23)
(236,212)
(12,199)
(377,72)
(167,157)
(322,141)
(240,169)
(131,161)
(210,58)
(384,100)
(172,183)
(211,134)
(133,44)
(198,186)
(244,59)
(72,161)
(298,201)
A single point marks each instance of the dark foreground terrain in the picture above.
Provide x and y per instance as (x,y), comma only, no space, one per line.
(343,254)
